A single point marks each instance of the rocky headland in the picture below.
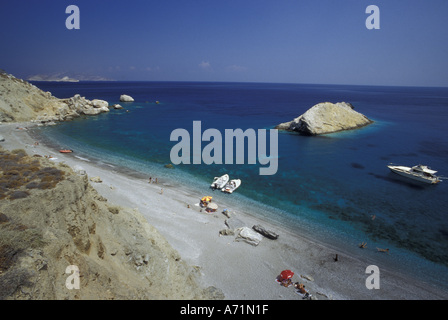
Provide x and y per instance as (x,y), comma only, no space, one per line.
(326,117)
(22,101)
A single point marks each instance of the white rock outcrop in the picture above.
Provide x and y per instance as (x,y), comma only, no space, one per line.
(68,109)
(326,117)
(126,98)
(99,103)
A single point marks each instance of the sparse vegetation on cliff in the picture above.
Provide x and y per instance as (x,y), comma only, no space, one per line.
(51,218)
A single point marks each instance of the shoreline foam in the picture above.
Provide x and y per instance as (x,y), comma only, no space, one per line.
(238,269)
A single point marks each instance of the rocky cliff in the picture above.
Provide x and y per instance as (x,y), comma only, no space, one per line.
(325,118)
(52,218)
(22,101)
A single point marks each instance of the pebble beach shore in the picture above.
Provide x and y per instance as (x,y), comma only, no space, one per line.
(242,271)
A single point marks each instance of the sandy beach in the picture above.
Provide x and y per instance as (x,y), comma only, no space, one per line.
(240,270)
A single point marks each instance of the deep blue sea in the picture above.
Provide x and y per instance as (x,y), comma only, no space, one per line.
(329,186)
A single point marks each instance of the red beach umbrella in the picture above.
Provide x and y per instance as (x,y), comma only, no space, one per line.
(286,274)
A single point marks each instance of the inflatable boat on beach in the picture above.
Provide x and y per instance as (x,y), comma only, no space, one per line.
(220,182)
(231,186)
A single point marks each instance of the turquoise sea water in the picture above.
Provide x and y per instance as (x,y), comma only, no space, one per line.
(330,185)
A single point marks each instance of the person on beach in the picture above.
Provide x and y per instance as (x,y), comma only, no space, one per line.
(300,288)
(150,179)
(286,282)
(283,282)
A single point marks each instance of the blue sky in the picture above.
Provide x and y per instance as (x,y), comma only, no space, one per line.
(286,41)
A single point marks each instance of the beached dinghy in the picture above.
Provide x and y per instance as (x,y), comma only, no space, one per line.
(220,182)
(231,186)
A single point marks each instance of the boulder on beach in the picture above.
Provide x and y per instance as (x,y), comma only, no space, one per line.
(266,233)
(326,117)
(226,232)
(126,98)
(248,235)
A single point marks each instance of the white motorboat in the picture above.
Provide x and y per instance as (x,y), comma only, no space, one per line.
(419,173)
(231,186)
(220,182)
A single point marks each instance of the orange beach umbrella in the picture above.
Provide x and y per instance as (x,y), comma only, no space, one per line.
(206,199)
